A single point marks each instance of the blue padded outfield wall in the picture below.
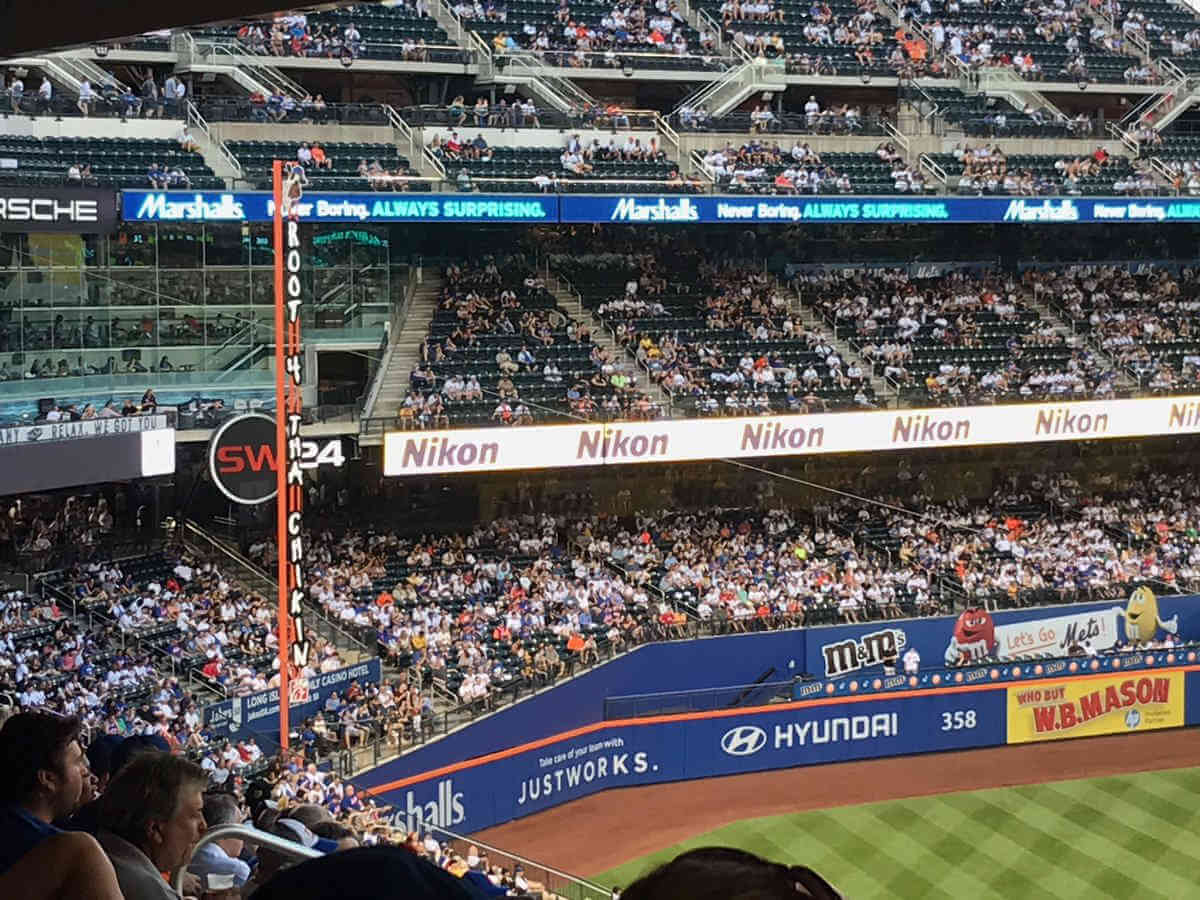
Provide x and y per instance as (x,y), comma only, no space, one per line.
(479,793)
(719,662)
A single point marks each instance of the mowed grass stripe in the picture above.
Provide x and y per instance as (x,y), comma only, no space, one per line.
(1070,871)
(1107,832)
(999,851)
(1034,856)
(1121,836)
(888,871)
(943,840)
(1157,799)
(841,861)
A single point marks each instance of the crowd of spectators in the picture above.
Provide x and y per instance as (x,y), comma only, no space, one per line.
(575,39)
(1146,322)
(977,37)
(943,337)
(148,96)
(545,365)
(530,597)
(724,340)
(749,168)
(291,34)
(986,170)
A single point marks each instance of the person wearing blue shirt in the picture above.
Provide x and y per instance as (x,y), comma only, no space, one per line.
(44,773)
(221,857)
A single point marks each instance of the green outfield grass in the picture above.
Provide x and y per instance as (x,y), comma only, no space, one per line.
(1132,836)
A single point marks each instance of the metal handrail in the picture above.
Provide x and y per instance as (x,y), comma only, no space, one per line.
(593,889)
(398,124)
(927,162)
(395,326)
(250,835)
(1125,137)
(448,11)
(193,117)
(707,92)
(198,533)
(711,24)
(897,135)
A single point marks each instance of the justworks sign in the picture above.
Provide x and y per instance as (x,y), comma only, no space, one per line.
(76,210)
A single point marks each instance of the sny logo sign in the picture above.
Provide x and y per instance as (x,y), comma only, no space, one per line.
(871,649)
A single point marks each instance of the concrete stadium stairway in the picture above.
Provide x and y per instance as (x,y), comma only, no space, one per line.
(404,351)
(570,301)
(884,395)
(1064,328)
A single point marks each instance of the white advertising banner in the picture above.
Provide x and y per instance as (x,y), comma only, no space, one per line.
(1054,637)
(680,440)
(89,428)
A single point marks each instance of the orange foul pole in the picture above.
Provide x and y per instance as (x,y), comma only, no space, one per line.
(281,456)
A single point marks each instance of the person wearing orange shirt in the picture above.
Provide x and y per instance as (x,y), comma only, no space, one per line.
(319,159)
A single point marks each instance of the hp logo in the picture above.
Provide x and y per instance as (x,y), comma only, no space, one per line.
(743,740)
(1133,719)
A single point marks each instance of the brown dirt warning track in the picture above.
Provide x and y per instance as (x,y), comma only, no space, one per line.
(596,833)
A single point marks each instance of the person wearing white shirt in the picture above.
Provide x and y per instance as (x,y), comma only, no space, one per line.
(86,98)
(45,95)
(174,91)
(812,110)
(911,661)
(16,91)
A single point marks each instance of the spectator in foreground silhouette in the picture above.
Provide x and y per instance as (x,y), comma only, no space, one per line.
(723,873)
(44,775)
(368,873)
(151,817)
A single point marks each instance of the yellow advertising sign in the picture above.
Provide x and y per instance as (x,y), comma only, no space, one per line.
(1086,707)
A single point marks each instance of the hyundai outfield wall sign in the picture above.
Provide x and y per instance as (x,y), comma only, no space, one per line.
(556,446)
(76,210)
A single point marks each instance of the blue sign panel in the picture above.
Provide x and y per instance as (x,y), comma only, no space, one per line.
(940,641)
(480,794)
(651,209)
(183,206)
(259,712)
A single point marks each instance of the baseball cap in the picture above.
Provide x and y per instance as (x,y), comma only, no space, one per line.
(301,834)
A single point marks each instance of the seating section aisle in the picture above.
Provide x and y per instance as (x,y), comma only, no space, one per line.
(720,340)
(113,162)
(957,339)
(1149,323)
(501,351)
